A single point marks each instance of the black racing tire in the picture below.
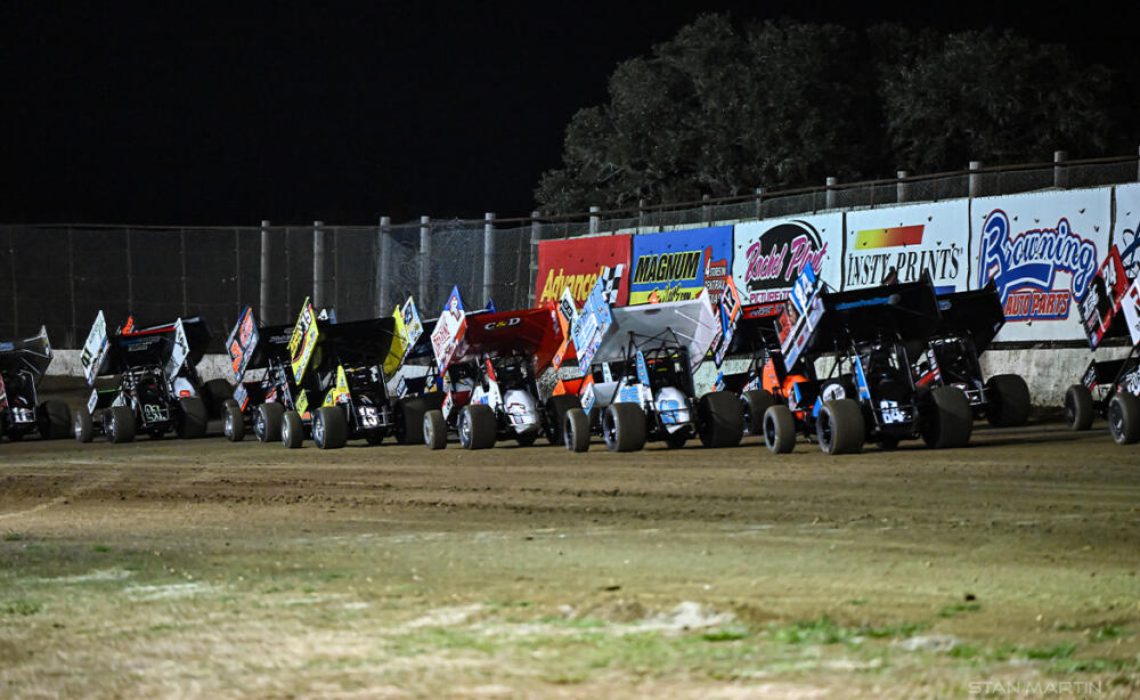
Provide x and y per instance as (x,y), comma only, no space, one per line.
(267,421)
(1007,401)
(330,428)
(720,419)
(53,419)
(476,427)
(192,418)
(888,443)
(556,408)
(1124,418)
(1079,410)
(840,427)
(677,439)
(215,393)
(409,417)
(949,420)
(623,427)
(779,429)
(434,429)
(292,430)
(374,438)
(119,424)
(755,403)
(233,422)
(576,430)
(528,438)
(83,428)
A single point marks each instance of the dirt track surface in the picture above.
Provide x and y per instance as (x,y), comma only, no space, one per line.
(207,568)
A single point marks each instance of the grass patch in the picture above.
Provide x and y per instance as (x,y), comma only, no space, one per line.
(958,608)
(1062,666)
(726,634)
(14,537)
(100,549)
(21,607)
(1106,633)
(821,630)
(1062,650)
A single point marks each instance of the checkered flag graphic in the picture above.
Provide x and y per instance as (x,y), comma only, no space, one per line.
(611,280)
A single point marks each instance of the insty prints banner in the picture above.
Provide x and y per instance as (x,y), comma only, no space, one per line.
(677,265)
(902,242)
(769,255)
(1042,251)
(1126,229)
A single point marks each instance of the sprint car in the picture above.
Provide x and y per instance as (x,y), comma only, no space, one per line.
(259,360)
(23,364)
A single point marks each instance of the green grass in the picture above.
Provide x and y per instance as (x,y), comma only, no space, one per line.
(21,607)
(958,608)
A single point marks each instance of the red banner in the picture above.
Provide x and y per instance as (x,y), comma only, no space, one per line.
(576,262)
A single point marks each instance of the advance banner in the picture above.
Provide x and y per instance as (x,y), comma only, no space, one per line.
(1042,251)
(904,241)
(576,263)
(1126,229)
(677,265)
(769,255)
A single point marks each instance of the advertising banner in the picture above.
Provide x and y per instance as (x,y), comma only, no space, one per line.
(677,265)
(769,255)
(898,243)
(576,262)
(1126,229)
(1042,251)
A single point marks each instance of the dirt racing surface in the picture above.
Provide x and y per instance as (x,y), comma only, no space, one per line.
(212,569)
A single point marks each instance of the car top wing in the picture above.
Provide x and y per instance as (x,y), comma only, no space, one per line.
(251,346)
(533,331)
(692,321)
(977,313)
(32,354)
(1100,308)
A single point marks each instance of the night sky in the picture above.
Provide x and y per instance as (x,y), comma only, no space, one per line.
(228,113)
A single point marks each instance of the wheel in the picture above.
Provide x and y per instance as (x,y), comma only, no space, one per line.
(623,427)
(720,419)
(214,394)
(374,438)
(192,418)
(950,420)
(840,427)
(556,408)
(434,430)
(292,430)
(888,442)
(1079,411)
(477,429)
(409,417)
(233,425)
(53,419)
(119,424)
(755,403)
(267,421)
(576,430)
(83,427)
(1124,418)
(330,428)
(526,439)
(1007,401)
(779,429)
(677,440)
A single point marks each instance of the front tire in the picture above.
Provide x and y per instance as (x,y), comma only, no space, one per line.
(556,408)
(53,419)
(267,421)
(192,419)
(755,404)
(477,429)
(215,393)
(434,430)
(720,417)
(576,430)
(292,430)
(840,427)
(1007,404)
(119,424)
(83,427)
(1124,418)
(233,422)
(330,428)
(951,419)
(1079,411)
(623,427)
(779,429)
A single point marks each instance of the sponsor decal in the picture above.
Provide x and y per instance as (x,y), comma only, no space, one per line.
(678,265)
(777,258)
(505,323)
(576,263)
(1104,297)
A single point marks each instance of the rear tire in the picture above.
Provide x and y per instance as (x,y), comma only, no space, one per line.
(477,429)
(527,439)
(1079,411)
(233,422)
(192,418)
(677,440)
(1007,403)
(1124,418)
(434,430)
(267,421)
(576,430)
(119,424)
(215,393)
(83,427)
(779,429)
(292,430)
(720,417)
(623,427)
(556,408)
(840,427)
(951,419)
(755,404)
(410,412)
(53,419)
(330,428)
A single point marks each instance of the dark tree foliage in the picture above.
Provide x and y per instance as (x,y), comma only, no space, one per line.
(719,110)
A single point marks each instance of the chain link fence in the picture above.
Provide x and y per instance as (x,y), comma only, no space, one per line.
(61,276)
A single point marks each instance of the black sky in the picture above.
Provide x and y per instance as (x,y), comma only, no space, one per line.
(228,113)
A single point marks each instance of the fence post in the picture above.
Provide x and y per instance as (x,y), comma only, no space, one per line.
(265,271)
(975,178)
(425,259)
(318,265)
(706,210)
(830,197)
(640,214)
(383,273)
(759,191)
(488,254)
(902,190)
(1060,170)
(595,220)
(535,239)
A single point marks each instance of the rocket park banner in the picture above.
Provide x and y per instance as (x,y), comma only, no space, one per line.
(576,262)
(906,241)
(1042,251)
(769,255)
(677,265)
